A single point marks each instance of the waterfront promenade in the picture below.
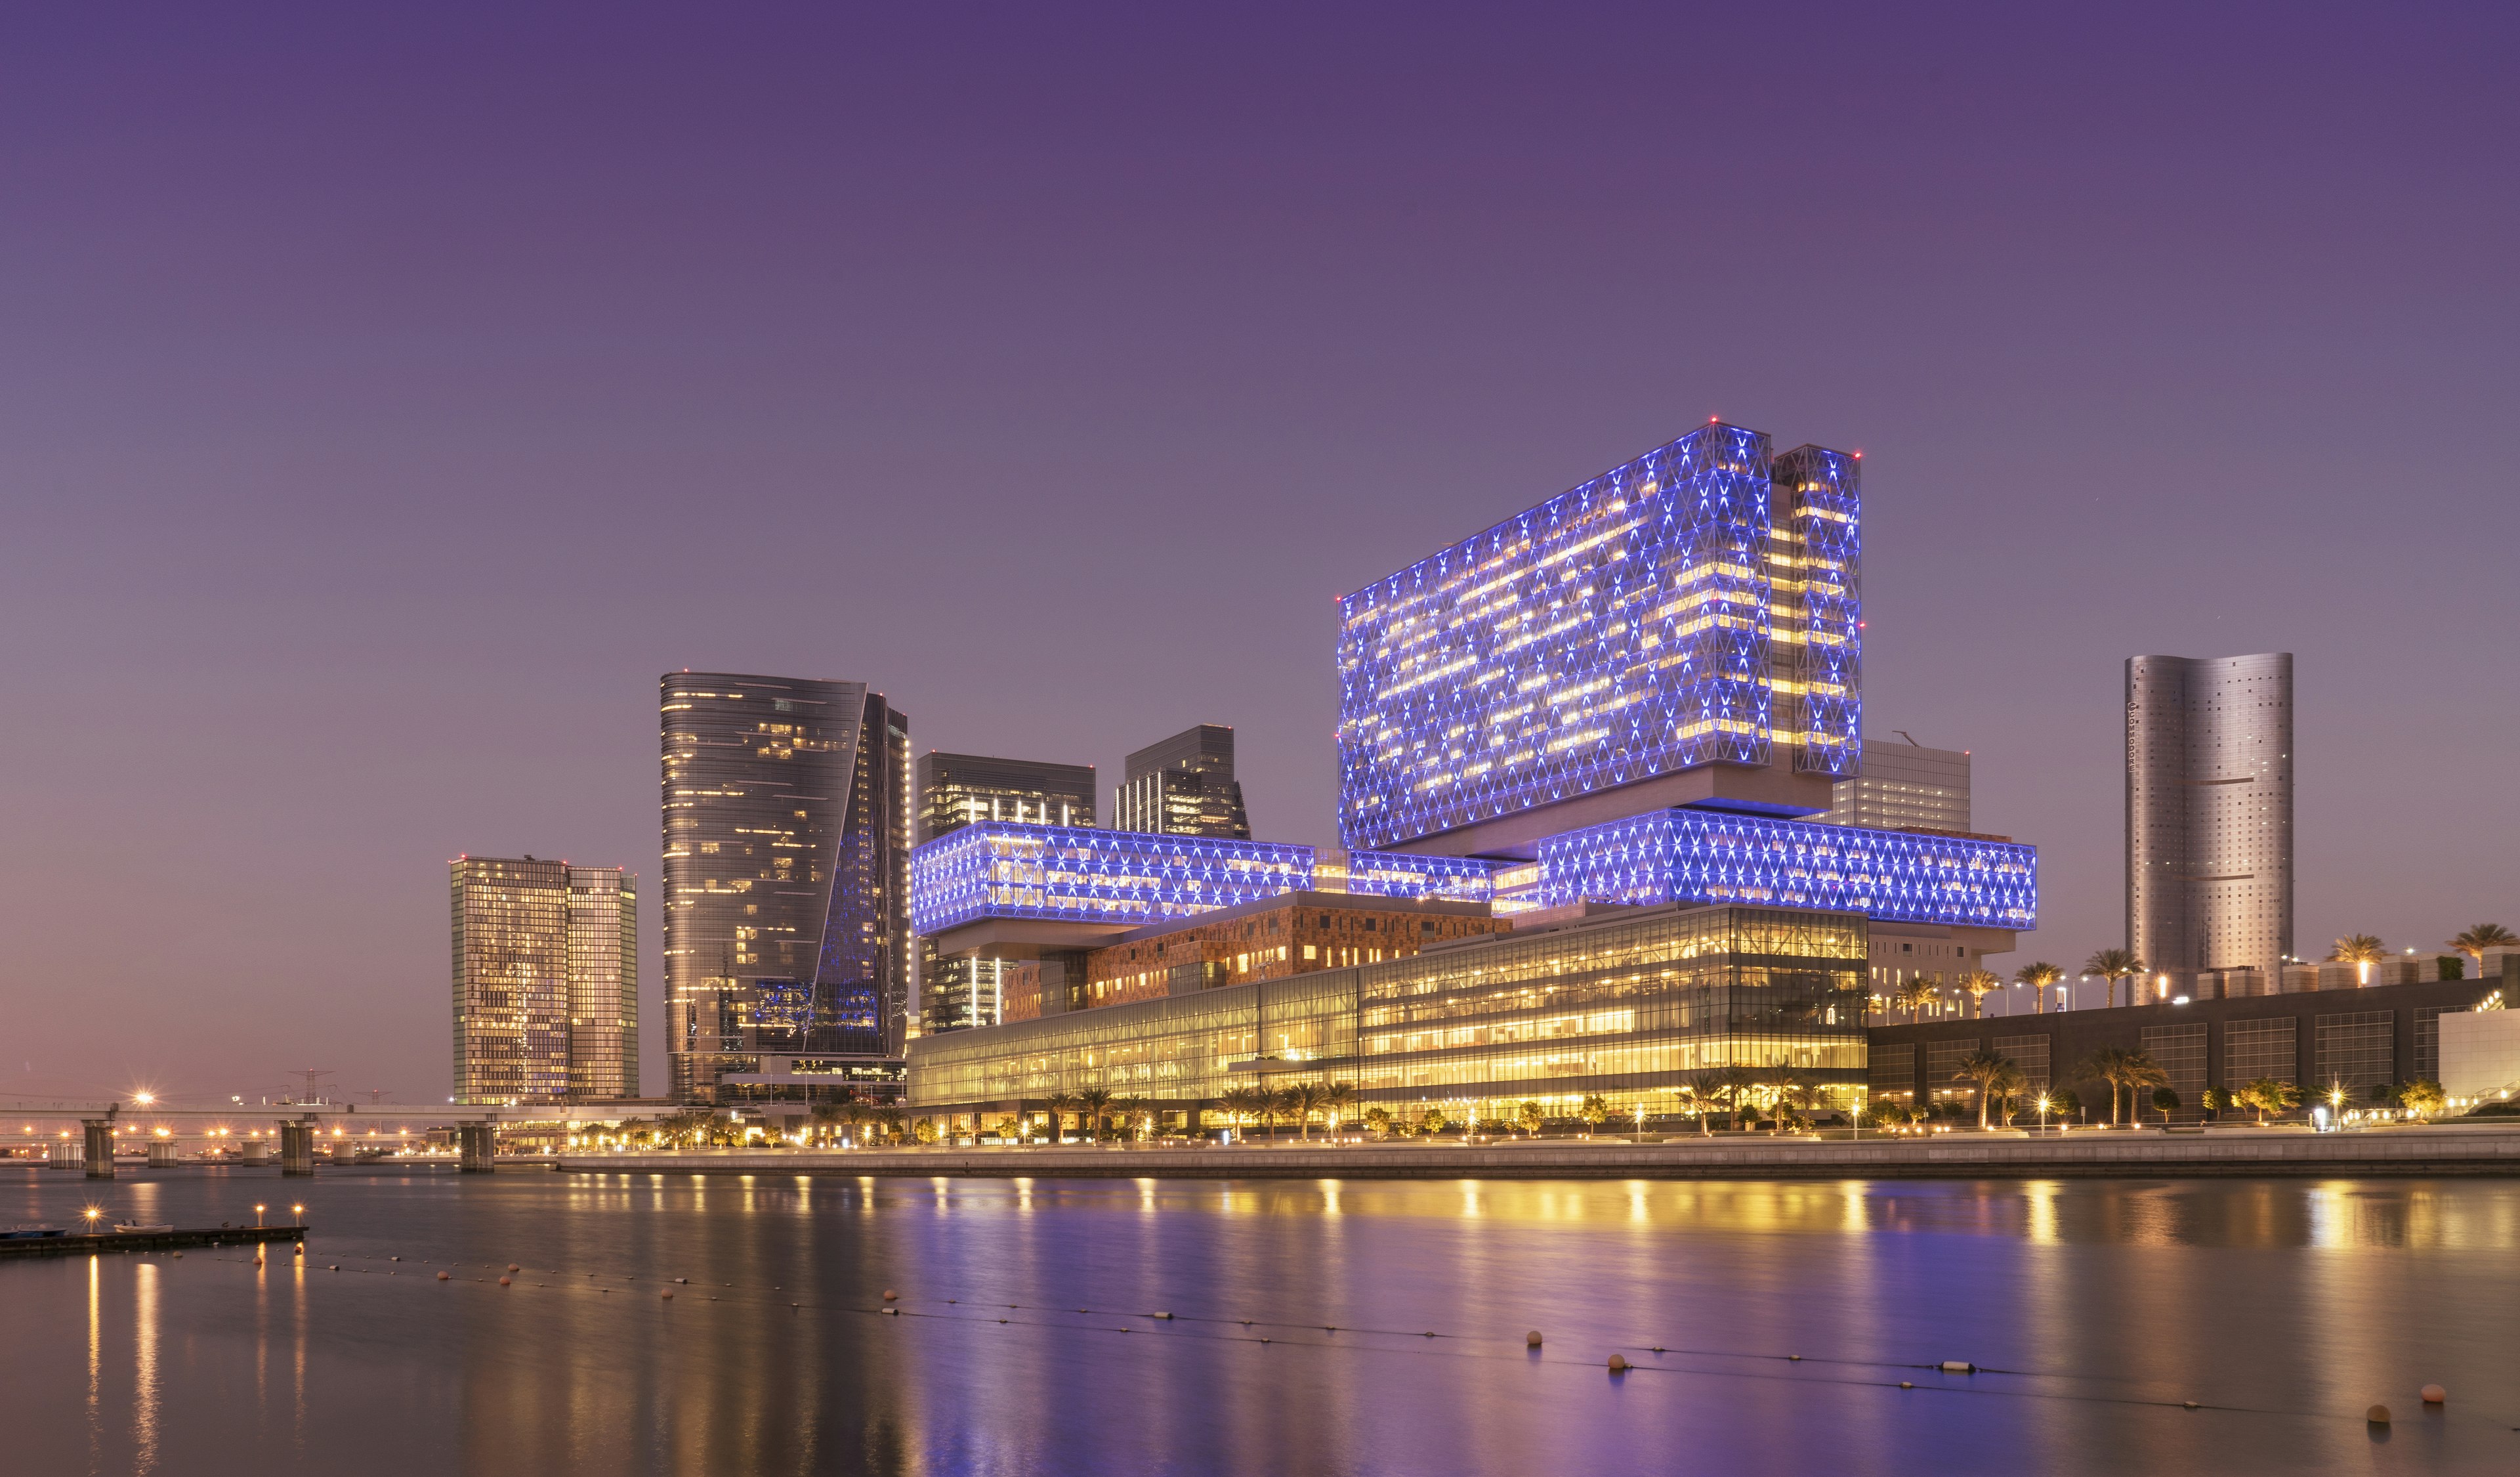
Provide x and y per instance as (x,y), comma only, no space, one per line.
(2436,1150)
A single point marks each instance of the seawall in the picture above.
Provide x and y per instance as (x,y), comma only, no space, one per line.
(2406,1152)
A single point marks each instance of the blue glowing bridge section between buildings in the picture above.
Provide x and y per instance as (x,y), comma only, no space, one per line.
(1690,855)
(1000,869)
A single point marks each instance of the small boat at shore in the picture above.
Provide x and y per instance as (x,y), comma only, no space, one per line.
(135,1228)
(31,1233)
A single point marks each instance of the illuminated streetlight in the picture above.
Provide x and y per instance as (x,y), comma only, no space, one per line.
(258,1217)
(143,1098)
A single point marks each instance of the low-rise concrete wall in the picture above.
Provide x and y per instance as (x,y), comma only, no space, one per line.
(2421,1151)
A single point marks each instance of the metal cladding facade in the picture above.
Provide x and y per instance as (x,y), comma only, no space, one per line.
(787,846)
(1687,856)
(1645,623)
(1131,878)
(2209,812)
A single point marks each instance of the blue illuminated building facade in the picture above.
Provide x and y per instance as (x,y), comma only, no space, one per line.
(1604,720)
(1695,610)
(1128,879)
(1698,855)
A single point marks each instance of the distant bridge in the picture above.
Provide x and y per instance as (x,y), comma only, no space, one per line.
(90,1132)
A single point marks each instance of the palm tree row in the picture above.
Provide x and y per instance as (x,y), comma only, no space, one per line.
(1300,1103)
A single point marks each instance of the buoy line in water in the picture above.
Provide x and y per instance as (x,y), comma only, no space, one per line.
(1156,1319)
(1420,1343)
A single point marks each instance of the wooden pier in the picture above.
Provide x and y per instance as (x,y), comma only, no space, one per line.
(85,1244)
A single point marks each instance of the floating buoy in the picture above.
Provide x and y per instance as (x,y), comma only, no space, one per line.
(2378,1415)
(441,1277)
(257,1261)
(1907,1384)
(1790,1358)
(513,1266)
(393,1259)
(1531,1340)
(1264,1341)
(1618,1364)
(1957,1366)
(179,1256)
(503,1281)
(669,1294)
(2188,1403)
(336,1266)
(889,1295)
(2434,1395)
(684,1280)
(1160,1315)
(889,1312)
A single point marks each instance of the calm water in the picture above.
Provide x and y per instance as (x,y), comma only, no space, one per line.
(2283,1306)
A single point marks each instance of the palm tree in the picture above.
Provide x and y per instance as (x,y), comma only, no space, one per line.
(1984,1068)
(2483,936)
(1697,1100)
(1336,1098)
(1979,983)
(2362,950)
(1300,1102)
(1243,1101)
(2109,1065)
(1133,1113)
(2006,1088)
(2039,975)
(1094,1105)
(2142,1072)
(1060,1104)
(1736,1080)
(2113,965)
(1914,996)
(2267,1095)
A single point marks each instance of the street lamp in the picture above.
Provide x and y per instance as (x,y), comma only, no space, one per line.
(143,1098)
(299,1212)
(258,1218)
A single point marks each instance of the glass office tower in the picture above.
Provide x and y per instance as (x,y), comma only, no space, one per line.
(787,847)
(1683,629)
(1184,786)
(2209,814)
(1905,785)
(956,789)
(546,981)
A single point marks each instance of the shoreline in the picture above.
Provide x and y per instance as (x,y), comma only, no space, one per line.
(2224,1153)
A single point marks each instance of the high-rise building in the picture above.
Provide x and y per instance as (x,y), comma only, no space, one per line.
(602,984)
(956,789)
(1904,787)
(1184,786)
(2209,814)
(786,845)
(1682,631)
(546,981)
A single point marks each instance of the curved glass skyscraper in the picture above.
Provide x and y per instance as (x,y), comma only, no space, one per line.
(786,851)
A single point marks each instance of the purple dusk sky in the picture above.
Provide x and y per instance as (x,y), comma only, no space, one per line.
(387,394)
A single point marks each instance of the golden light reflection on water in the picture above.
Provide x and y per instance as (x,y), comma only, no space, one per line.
(2125,1276)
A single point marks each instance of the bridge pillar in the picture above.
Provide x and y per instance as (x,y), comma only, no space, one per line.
(161,1153)
(479,1145)
(100,1147)
(61,1154)
(257,1151)
(297,1148)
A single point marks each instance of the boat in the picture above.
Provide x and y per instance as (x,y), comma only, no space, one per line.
(31,1233)
(135,1228)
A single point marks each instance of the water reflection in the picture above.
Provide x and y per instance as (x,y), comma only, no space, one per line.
(2307,1299)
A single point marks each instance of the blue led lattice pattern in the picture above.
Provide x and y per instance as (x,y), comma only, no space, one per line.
(1613,633)
(1000,869)
(1824,529)
(1685,856)
(1427,879)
